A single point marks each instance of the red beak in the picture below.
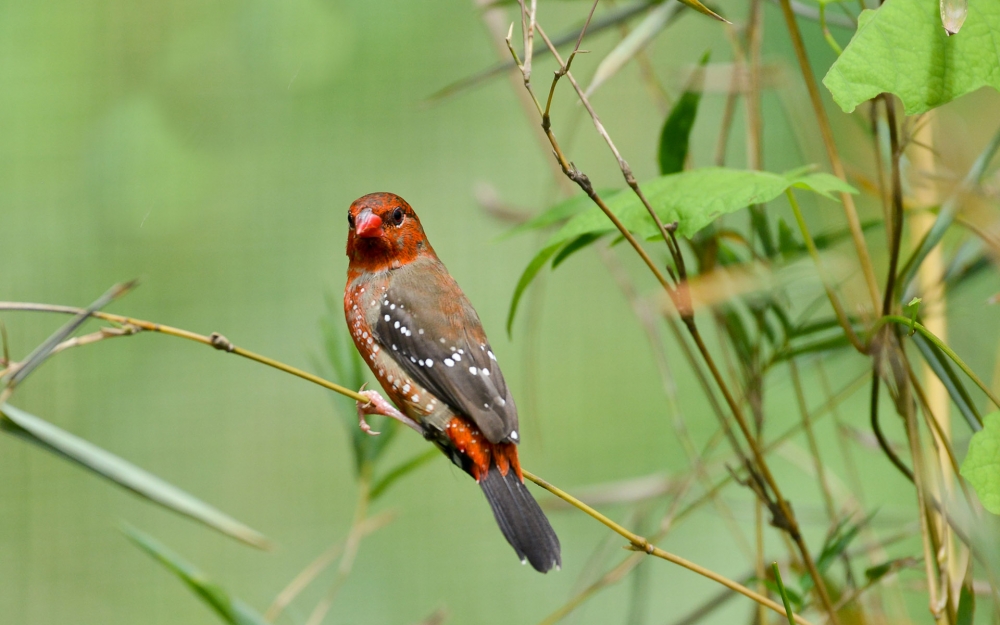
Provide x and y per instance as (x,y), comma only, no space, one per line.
(369,225)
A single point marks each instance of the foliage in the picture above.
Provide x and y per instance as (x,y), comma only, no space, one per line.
(982,464)
(902,49)
(230,609)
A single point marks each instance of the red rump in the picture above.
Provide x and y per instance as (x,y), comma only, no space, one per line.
(469,440)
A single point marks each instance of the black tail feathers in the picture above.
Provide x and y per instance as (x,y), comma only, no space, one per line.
(521,520)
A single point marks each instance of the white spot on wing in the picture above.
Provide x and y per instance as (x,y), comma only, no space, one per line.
(473,370)
(449,362)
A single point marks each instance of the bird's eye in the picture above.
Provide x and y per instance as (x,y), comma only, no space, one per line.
(397,216)
(350,220)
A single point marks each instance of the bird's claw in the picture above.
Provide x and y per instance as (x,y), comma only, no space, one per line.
(378,405)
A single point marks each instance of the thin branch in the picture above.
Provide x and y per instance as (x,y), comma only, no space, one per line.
(641,544)
(854,224)
(216,341)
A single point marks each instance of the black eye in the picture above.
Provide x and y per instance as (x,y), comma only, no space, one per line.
(350,220)
(397,216)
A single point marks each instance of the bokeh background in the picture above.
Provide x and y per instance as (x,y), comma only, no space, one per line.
(211,150)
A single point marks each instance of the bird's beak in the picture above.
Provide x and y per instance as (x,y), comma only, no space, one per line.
(369,225)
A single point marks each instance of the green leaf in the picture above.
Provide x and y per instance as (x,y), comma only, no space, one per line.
(107,465)
(43,351)
(658,18)
(573,246)
(785,594)
(558,213)
(401,470)
(835,545)
(527,276)
(692,198)
(676,133)
(879,571)
(229,609)
(901,48)
(966,600)
(981,466)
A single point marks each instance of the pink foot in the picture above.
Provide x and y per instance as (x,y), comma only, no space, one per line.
(379,406)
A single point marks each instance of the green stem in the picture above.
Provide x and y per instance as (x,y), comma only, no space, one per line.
(927,334)
(781,587)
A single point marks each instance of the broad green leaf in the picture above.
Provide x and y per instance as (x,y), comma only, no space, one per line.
(107,465)
(676,132)
(229,609)
(901,48)
(981,466)
(692,198)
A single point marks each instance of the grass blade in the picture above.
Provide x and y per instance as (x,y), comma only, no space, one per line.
(229,609)
(401,470)
(640,37)
(783,593)
(107,465)
(43,351)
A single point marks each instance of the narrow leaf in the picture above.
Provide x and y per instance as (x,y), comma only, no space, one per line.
(43,351)
(529,274)
(676,133)
(107,465)
(942,368)
(784,594)
(558,213)
(229,609)
(573,246)
(647,30)
(401,470)
(966,599)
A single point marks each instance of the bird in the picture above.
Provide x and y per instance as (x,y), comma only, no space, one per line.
(426,346)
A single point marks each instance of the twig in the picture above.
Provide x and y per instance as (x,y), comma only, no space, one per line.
(216,340)
(641,544)
(320,564)
(854,224)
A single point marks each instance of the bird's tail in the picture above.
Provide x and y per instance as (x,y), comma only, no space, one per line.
(521,520)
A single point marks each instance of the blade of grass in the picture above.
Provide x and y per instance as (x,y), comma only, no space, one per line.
(401,470)
(105,464)
(40,353)
(783,593)
(229,609)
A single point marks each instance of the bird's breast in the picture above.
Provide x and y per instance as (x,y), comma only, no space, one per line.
(363,299)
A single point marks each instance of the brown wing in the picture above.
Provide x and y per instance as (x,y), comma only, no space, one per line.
(428,326)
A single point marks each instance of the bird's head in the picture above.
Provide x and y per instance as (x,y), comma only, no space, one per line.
(384,233)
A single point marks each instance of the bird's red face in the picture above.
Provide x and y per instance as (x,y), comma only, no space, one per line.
(384,233)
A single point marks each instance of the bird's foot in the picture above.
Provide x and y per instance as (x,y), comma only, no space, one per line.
(379,406)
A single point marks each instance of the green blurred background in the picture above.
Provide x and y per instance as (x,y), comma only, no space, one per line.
(211,150)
